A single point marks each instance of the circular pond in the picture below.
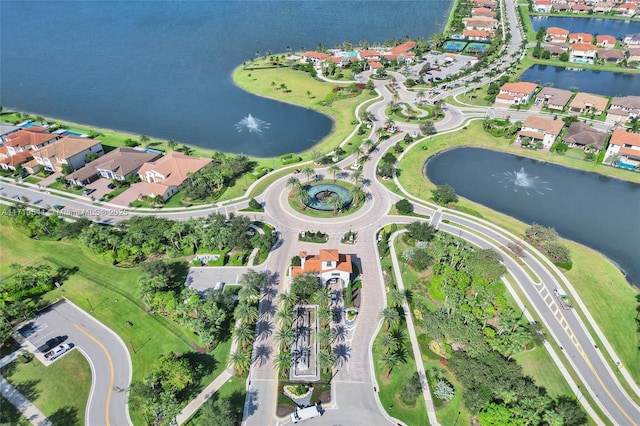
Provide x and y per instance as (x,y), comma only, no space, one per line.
(319,196)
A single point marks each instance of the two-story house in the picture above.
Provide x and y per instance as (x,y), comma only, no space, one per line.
(329,265)
(583,53)
(556,99)
(164,176)
(623,108)
(625,146)
(25,140)
(515,93)
(539,129)
(70,151)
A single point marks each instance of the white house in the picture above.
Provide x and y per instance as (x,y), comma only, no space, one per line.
(540,129)
(329,265)
(627,146)
(70,151)
(516,93)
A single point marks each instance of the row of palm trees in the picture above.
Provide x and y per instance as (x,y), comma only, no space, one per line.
(392,340)
(246,314)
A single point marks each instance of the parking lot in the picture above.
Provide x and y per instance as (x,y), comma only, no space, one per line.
(204,278)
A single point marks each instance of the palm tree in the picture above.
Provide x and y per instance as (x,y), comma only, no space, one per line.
(614,159)
(356,177)
(335,202)
(186,150)
(284,316)
(359,151)
(390,317)
(395,298)
(317,156)
(390,360)
(324,315)
(308,171)
(420,95)
(358,194)
(246,313)
(324,336)
(389,342)
(243,335)
(335,169)
(283,362)
(369,144)
(172,144)
(395,96)
(303,197)
(389,123)
(249,294)
(293,183)
(284,337)
(287,299)
(322,297)
(327,359)
(240,361)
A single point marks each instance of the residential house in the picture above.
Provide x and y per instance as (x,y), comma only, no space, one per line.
(623,108)
(402,52)
(583,53)
(374,65)
(627,9)
(515,93)
(329,264)
(556,99)
(368,55)
(480,23)
(556,49)
(627,146)
(584,136)
(13,161)
(586,103)
(557,35)
(477,35)
(603,7)
(7,129)
(580,8)
(606,41)
(561,7)
(542,6)
(634,55)
(484,11)
(315,58)
(632,40)
(580,38)
(118,164)
(165,176)
(26,139)
(490,4)
(610,55)
(539,129)
(70,151)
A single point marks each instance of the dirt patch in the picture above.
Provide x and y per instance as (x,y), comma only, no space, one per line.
(325,397)
(284,410)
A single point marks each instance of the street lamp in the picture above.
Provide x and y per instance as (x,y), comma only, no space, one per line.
(524,308)
(456,422)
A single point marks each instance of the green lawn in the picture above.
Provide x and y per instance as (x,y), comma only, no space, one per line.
(63,401)
(9,415)
(537,363)
(234,389)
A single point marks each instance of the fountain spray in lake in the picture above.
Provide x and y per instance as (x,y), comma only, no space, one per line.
(521,181)
(252,124)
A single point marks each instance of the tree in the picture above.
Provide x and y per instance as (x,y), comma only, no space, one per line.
(283,362)
(428,128)
(302,196)
(243,335)
(389,342)
(334,169)
(293,183)
(246,313)
(240,361)
(411,389)
(144,140)
(421,231)
(305,285)
(395,298)
(286,298)
(404,206)
(324,336)
(444,194)
(172,144)
(358,194)
(356,177)
(390,360)
(390,317)
(327,360)
(322,297)
(308,171)
(443,390)
(284,337)
(335,202)
(220,412)
(564,57)
(284,316)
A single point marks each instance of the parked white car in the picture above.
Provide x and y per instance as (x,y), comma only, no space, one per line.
(57,351)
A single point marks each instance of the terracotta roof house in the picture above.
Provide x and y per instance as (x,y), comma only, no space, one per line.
(560,7)
(556,49)
(627,9)
(623,108)
(407,57)
(580,8)
(485,3)
(70,151)
(542,6)
(407,46)
(10,163)
(485,11)
(585,103)
(603,7)
(582,53)
(610,55)
(557,35)
(480,23)
(606,41)
(551,98)
(329,264)
(315,57)
(117,165)
(374,65)
(515,93)
(477,35)
(540,129)
(170,172)
(627,145)
(580,38)
(584,136)
(24,140)
(369,54)
(631,39)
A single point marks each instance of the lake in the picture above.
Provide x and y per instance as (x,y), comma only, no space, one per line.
(592,209)
(604,83)
(615,27)
(163,68)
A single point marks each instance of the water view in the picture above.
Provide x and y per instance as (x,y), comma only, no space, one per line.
(614,27)
(595,210)
(604,83)
(164,68)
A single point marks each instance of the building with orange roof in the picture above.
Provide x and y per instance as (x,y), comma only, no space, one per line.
(586,103)
(583,53)
(70,151)
(542,6)
(477,35)
(374,65)
(170,172)
(626,145)
(606,41)
(329,265)
(603,7)
(539,129)
(557,35)
(315,57)
(405,47)
(367,54)
(10,163)
(480,23)
(483,11)
(27,139)
(627,9)
(580,38)
(515,93)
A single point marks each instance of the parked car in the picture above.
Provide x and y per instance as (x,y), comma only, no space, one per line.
(111,186)
(89,191)
(51,343)
(57,351)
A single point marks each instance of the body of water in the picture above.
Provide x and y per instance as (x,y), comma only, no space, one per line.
(163,68)
(614,27)
(594,210)
(604,83)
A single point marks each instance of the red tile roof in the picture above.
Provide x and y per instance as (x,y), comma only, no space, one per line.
(558,31)
(404,47)
(175,167)
(316,55)
(520,87)
(550,127)
(586,38)
(583,47)
(24,137)
(608,38)
(622,137)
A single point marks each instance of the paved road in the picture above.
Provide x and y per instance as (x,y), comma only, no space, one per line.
(107,355)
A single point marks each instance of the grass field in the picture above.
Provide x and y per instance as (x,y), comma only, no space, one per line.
(63,401)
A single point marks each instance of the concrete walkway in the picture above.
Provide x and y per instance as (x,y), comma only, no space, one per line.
(203,397)
(25,406)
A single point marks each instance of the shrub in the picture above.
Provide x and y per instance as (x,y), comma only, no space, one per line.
(443,390)
(254,205)
(411,390)
(404,206)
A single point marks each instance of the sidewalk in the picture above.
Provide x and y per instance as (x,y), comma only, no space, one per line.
(25,406)
(207,393)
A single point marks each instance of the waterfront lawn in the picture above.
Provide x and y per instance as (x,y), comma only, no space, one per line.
(303,90)
(60,390)
(9,414)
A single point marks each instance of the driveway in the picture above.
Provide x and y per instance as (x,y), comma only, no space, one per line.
(100,187)
(107,355)
(127,197)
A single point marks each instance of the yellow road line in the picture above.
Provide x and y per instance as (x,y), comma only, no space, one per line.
(110,369)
